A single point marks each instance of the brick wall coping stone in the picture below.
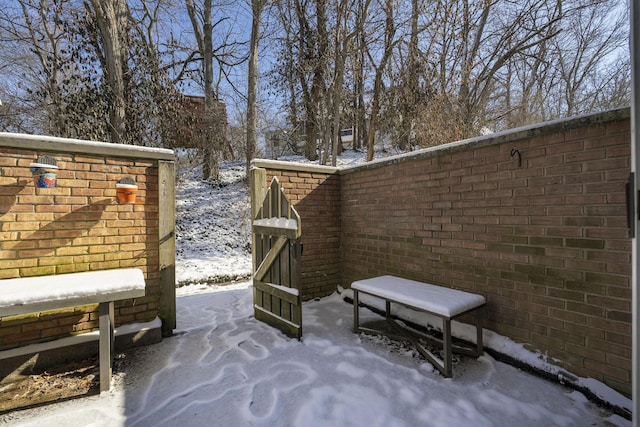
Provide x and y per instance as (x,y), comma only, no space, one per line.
(515,134)
(293,166)
(79,146)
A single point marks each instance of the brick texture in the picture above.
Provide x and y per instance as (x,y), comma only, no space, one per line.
(76,226)
(316,197)
(546,242)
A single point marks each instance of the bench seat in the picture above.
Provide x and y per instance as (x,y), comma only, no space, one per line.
(445,303)
(43,293)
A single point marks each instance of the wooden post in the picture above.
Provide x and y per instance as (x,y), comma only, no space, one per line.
(106,319)
(257,190)
(167,241)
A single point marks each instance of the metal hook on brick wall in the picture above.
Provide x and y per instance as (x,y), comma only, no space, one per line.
(515,151)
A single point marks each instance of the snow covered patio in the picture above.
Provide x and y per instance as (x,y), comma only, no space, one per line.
(224,368)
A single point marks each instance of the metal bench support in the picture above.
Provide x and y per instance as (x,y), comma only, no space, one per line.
(444,364)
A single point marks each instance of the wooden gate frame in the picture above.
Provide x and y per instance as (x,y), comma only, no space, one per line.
(276,252)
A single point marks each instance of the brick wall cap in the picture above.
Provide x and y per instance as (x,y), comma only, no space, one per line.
(79,146)
(293,166)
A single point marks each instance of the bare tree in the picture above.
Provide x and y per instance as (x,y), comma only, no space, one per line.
(470,47)
(313,51)
(591,34)
(410,94)
(201,20)
(360,128)
(257,6)
(97,70)
(223,54)
(112,18)
(33,58)
(349,21)
(434,69)
(389,43)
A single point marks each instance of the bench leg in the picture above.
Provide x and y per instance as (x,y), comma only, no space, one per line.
(106,313)
(479,344)
(388,309)
(446,347)
(356,313)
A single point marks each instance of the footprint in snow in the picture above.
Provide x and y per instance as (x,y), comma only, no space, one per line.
(284,377)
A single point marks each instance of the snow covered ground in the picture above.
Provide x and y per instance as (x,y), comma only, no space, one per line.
(224,368)
(213,230)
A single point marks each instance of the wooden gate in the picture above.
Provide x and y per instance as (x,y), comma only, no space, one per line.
(277,253)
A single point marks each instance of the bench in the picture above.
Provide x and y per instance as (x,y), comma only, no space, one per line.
(443,302)
(42,293)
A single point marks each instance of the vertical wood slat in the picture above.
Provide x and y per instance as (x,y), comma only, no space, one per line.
(285,208)
(269,242)
(274,200)
(296,278)
(258,257)
(275,269)
(284,279)
(266,207)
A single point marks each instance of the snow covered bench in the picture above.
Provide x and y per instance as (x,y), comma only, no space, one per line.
(443,302)
(32,294)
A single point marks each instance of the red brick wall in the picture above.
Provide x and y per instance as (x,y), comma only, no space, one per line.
(76,226)
(545,241)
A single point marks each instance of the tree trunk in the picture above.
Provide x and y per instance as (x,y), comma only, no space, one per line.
(211,148)
(112,19)
(252,109)
(337,101)
(389,34)
(410,97)
(360,133)
(211,145)
(318,90)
